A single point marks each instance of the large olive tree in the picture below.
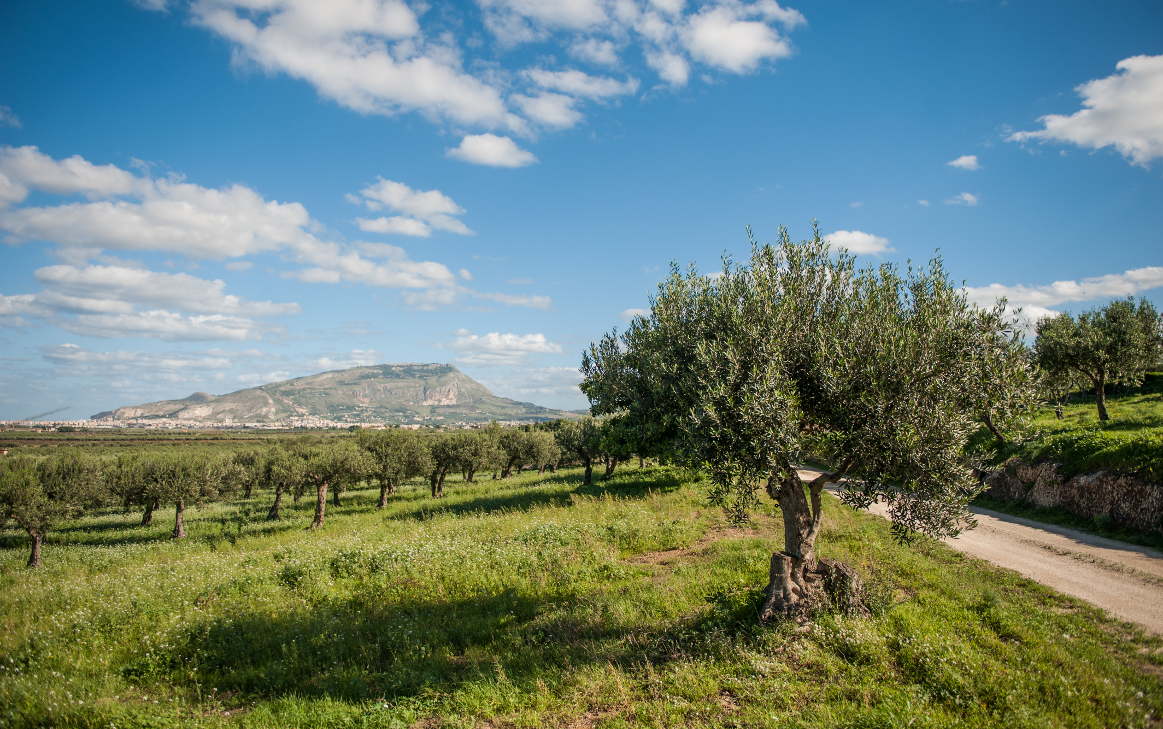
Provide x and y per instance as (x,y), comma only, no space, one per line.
(397,456)
(39,493)
(800,354)
(1108,346)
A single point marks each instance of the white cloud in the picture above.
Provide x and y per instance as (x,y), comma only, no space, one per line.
(354,52)
(399,197)
(965,162)
(857,241)
(1124,110)
(496,348)
(672,67)
(8,117)
(596,51)
(719,37)
(968,199)
(580,83)
(421,210)
(166,325)
(102,301)
(141,286)
(629,314)
(239,266)
(395,225)
(923,203)
(1112,285)
(172,215)
(491,150)
(552,110)
(28,167)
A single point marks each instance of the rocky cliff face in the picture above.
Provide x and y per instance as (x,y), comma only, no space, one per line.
(1121,499)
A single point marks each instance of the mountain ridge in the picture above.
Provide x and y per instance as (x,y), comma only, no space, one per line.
(405,393)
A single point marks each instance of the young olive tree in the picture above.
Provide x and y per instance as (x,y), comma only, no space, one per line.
(397,455)
(39,493)
(1108,346)
(581,439)
(327,465)
(282,471)
(477,450)
(444,454)
(800,354)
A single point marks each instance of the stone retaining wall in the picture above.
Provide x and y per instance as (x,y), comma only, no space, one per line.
(1124,500)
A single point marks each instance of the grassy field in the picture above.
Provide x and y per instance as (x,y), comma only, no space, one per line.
(535,602)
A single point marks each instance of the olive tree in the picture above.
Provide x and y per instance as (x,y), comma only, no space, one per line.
(799,354)
(39,493)
(397,455)
(281,471)
(326,465)
(1108,346)
(581,439)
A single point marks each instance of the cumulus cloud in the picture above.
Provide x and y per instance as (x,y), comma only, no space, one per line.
(104,301)
(968,199)
(1123,110)
(1040,297)
(125,285)
(491,150)
(965,162)
(497,348)
(596,51)
(549,109)
(629,314)
(719,36)
(176,216)
(390,56)
(27,168)
(368,55)
(857,241)
(422,210)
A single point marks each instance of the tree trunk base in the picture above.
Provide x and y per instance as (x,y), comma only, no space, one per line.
(797,592)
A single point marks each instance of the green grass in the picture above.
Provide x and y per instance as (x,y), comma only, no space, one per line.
(1131,441)
(536,602)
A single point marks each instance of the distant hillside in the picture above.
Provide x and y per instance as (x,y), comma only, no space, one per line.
(397,394)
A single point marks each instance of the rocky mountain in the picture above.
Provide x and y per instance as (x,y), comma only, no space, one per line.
(399,394)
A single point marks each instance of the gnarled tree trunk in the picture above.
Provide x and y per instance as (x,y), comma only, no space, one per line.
(798,581)
(147,513)
(180,519)
(386,487)
(36,536)
(589,475)
(335,496)
(320,505)
(1100,397)
(273,514)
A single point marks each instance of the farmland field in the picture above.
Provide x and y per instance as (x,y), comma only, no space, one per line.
(535,601)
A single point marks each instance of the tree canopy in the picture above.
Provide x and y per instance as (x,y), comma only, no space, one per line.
(880,372)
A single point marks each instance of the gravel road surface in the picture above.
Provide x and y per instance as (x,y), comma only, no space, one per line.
(1124,579)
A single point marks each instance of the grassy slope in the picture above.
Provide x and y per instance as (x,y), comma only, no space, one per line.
(536,603)
(1131,440)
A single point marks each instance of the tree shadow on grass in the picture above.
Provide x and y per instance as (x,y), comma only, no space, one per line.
(358,649)
(525,496)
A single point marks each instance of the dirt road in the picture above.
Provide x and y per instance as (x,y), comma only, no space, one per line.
(1123,579)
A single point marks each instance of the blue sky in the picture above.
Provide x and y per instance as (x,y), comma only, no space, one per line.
(206,195)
